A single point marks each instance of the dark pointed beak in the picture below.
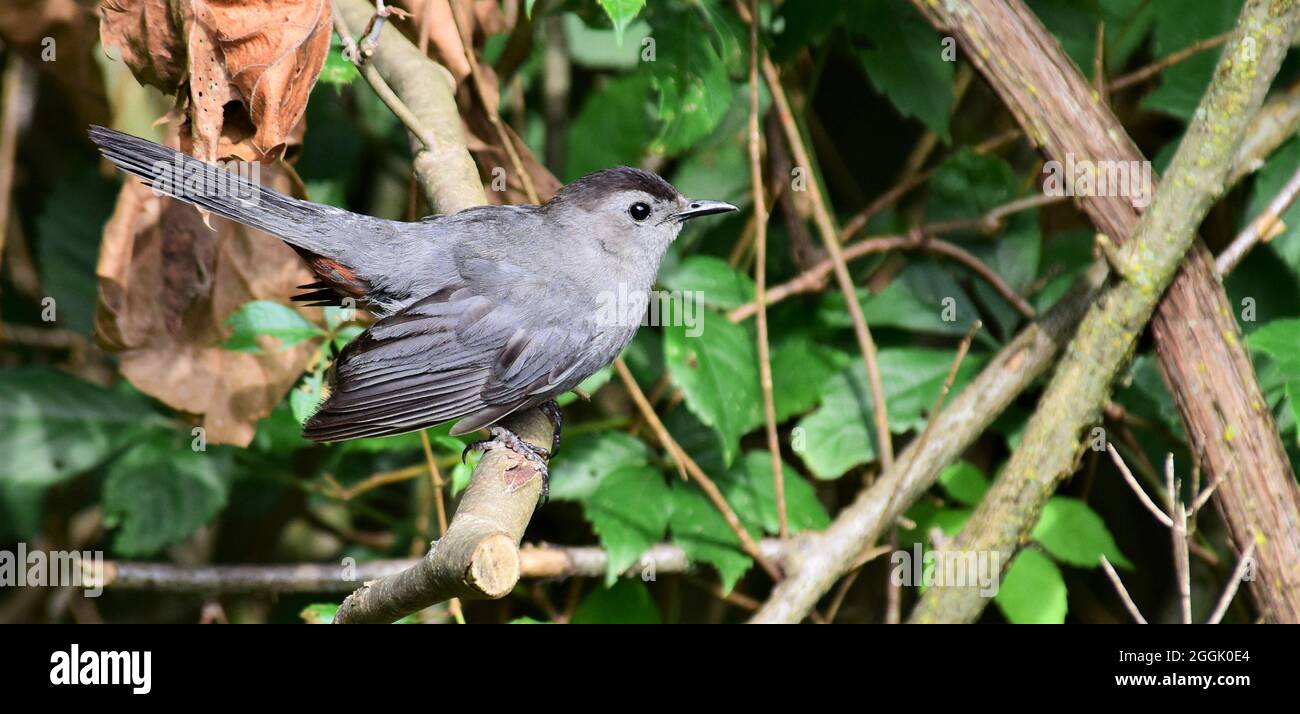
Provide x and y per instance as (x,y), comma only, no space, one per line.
(703,208)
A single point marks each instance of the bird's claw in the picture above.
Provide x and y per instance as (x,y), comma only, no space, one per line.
(504,438)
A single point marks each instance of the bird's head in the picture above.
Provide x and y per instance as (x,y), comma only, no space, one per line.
(633,208)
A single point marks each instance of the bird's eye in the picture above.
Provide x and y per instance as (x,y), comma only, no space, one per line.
(639,211)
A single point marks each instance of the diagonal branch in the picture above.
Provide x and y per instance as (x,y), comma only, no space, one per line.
(1149,261)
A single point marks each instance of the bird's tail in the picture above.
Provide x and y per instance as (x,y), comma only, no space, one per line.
(300,223)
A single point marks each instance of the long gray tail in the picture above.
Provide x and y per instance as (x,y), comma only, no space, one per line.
(300,223)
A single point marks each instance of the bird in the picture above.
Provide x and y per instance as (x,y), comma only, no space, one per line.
(479,313)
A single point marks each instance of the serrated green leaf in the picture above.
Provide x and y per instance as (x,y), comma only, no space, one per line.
(54,426)
(159,492)
(622,102)
(964,482)
(1033,591)
(716,283)
(627,602)
(800,370)
(629,512)
(1073,533)
(841,433)
(621,13)
(717,371)
(265,318)
(906,63)
(690,75)
(701,532)
(586,459)
(750,491)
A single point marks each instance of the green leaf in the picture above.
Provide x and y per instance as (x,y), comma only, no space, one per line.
(717,371)
(270,319)
(319,613)
(1179,24)
(586,459)
(800,370)
(528,8)
(1075,534)
(22,507)
(969,185)
(337,72)
(621,13)
(749,489)
(905,63)
(68,230)
(841,433)
(917,300)
(1032,590)
(159,492)
(54,426)
(305,397)
(964,482)
(629,511)
(621,102)
(700,531)
(628,602)
(690,74)
(711,281)
(1280,340)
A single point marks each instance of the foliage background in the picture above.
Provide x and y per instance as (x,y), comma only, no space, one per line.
(92,460)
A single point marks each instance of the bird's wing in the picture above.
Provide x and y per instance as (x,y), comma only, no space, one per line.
(465,350)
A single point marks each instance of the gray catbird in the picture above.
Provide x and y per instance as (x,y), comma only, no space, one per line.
(481,313)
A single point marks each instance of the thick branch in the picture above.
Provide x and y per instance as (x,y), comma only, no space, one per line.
(479,556)
(1148,262)
(811,571)
(445,171)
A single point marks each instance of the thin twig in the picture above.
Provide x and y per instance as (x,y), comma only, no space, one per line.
(1182,564)
(760,281)
(381,88)
(814,278)
(830,238)
(1123,592)
(435,483)
(475,75)
(1164,63)
(687,465)
(1267,226)
(1137,488)
(1238,573)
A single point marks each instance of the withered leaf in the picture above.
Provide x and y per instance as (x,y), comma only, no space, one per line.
(166,285)
(149,36)
(270,53)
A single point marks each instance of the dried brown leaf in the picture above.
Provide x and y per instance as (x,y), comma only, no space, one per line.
(149,36)
(167,283)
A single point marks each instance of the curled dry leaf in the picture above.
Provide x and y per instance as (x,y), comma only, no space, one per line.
(146,34)
(166,285)
(266,54)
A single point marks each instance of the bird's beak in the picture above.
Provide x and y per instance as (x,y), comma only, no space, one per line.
(703,208)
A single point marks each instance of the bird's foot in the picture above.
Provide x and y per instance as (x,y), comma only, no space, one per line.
(503,438)
(552,411)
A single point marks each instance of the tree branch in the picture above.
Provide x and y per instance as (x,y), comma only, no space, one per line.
(535,561)
(1148,262)
(479,555)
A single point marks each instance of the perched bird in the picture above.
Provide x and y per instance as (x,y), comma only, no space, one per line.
(480,313)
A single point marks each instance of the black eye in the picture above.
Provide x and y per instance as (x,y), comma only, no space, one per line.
(639,211)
